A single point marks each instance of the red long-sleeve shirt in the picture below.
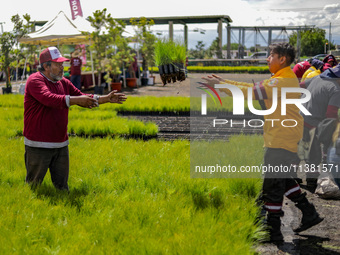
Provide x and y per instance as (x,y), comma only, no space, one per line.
(46,111)
(76,66)
(300,68)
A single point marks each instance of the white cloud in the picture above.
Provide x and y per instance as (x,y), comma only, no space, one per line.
(243,13)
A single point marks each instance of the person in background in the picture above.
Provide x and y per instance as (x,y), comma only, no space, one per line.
(76,69)
(323,67)
(324,103)
(281,143)
(48,97)
(315,65)
(135,67)
(28,70)
(330,60)
(333,155)
(300,68)
(36,63)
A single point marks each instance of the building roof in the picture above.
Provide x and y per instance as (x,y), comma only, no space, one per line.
(184,19)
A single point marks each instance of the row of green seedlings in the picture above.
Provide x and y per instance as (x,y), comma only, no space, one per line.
(170,57)
(133,104)
(106,123)
(151,104)
(229,69)
(83,123)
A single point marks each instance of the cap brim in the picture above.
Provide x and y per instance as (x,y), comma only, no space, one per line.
(58,60)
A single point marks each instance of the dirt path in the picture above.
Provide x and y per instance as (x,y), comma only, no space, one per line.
(183,88)
(321,239)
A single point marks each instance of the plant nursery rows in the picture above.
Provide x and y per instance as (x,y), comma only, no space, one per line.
(127,196)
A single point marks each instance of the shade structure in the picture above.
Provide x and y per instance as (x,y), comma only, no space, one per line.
(60,30)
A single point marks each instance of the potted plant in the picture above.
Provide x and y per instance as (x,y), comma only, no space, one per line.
(179,58)
(100,44)
(162,57)
(142,29)
(119,55)
(170,57)
(112,73)
(149,49)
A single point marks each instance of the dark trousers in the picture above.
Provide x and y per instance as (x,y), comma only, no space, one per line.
(315,155)
(76,81)
(39,160)
(279,184)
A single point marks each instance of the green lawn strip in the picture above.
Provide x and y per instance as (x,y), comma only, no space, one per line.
(12,101)
(82,122)
(126,197)
(152,104)
(105,122)
(145,104)
(224,69)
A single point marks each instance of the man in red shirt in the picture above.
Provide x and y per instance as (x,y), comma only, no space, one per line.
(76,69)
(48,96)
(301,67)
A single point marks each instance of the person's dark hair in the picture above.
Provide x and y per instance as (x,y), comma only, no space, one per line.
(284,50)
(41,67)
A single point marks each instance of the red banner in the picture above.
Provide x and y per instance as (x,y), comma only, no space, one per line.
(75,9)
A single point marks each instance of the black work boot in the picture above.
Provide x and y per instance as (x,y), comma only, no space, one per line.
(310,217)
(274,225)
(312,183)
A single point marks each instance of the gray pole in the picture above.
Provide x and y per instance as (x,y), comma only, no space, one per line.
(298,44)
(330,36)
(239,43)
(269,39)
(186,36)
(228,41)
(219,29)
(171,30)
(2,28)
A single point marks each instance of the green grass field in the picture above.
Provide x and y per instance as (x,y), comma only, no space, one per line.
(126,197)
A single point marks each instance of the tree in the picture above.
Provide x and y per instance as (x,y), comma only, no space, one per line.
(199,51)
(119,55)
(110,47)
(312,41)
(100,40)
(22,52)
(233,46)
(214,49)
(143,34)
(9,44)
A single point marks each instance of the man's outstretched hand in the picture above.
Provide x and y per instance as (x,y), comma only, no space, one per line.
(83,101)
(114,97)
(213,79)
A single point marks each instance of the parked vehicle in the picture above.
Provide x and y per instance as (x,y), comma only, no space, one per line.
(335,53)
(320,56)
(260,56)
